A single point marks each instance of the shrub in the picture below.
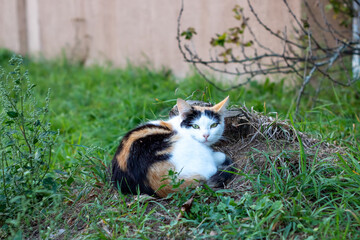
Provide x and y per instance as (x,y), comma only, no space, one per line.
(26,143)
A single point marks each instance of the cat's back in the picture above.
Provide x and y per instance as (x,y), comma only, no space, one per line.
(139,149)
(148,139)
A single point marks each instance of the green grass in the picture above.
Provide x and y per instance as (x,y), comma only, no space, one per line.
(94,107)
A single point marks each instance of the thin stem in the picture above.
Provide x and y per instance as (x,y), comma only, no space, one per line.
(3,178)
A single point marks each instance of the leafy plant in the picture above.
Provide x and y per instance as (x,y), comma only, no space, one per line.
(26,143)
(342,10)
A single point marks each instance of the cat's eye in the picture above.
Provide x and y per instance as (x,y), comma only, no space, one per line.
(214,125)
(195,126)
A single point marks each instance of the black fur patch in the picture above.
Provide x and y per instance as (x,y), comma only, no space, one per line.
(213,115)
(222,177)
(190,117)
(141,156)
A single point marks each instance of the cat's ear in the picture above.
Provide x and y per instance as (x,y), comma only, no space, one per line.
(183,107)
(221,106)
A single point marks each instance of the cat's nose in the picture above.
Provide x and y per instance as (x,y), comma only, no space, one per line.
(206,135)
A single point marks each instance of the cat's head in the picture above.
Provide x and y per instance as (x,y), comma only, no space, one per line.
(204,124)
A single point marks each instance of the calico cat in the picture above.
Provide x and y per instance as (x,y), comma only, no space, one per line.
(147,153)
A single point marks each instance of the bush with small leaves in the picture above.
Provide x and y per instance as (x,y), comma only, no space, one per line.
(26,143)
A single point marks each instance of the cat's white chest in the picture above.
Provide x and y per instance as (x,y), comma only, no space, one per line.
(191,157)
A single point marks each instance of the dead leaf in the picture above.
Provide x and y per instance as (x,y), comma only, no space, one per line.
(185,208)
(213,233)
(104,226)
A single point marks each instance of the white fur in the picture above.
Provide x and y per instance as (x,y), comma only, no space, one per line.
(192,153)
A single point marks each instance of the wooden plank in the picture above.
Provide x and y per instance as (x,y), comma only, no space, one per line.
(33,26)
(22,26)
(9,34)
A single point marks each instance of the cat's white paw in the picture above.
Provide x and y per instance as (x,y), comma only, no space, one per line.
(219,158)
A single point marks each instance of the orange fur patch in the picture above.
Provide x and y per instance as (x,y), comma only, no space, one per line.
(165,151)
(215,108)
(201,109)
(165,124)
(159,182)
(122,157)
(218,107)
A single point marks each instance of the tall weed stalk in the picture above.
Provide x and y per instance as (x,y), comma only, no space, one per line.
(26,143)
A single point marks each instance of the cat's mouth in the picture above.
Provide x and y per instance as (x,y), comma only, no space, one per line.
(207,142)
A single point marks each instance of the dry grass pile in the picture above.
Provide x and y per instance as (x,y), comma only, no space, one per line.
(255,141)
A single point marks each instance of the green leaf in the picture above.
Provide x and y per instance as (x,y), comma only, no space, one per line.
(248,44)
(37,123)
(32,86)
(10,143)
(189,33)
(70,181)
(60,172)
(9,122)
(12,114)
(219,41)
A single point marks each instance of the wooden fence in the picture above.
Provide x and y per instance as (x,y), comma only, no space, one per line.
(139,31)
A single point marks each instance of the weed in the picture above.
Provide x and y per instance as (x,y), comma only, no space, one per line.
(26,147)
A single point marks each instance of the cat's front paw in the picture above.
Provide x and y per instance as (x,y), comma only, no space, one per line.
(223,175)
(219,158)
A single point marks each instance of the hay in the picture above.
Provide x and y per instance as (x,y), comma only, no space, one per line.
(255,141)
